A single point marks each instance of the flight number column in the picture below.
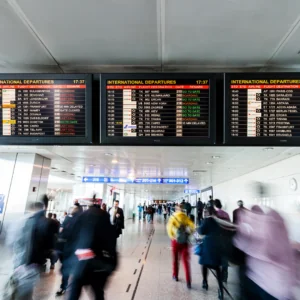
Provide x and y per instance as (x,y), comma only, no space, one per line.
(143,115)
(268,112)
(115,112)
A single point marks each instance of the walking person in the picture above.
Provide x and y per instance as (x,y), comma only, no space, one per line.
(164,210)
(117,217)
(200,207)
(211,256)
(140,211)
(30,243)
(95,250)
(65,247)
(179,228)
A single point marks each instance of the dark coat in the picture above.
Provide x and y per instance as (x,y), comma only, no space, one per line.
(95,231)
(33,242)
(118,222)
(211,251)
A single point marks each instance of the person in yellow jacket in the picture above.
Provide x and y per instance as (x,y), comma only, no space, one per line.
(179,227)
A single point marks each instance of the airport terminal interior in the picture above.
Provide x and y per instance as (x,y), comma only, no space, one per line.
(154,133)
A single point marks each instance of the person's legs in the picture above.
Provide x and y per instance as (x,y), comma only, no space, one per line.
(220,281)
(204,273)
(75,289)
(186,262)
(97,281)
(175,253)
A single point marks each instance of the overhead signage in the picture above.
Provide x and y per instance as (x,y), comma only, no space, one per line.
(192,191)
(262,109)
(45,109)
(91,179)
(138,108)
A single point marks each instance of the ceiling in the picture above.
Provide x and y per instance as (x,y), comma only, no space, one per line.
(149,35)
(214,164)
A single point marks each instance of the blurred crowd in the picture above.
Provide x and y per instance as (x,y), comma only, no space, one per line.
(256,242)
(84,242)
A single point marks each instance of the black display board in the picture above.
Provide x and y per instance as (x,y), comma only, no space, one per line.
(157,109)
(50,109)
(262,109)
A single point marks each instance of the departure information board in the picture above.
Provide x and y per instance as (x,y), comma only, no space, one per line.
(156,108)
(44,108)
(263,108)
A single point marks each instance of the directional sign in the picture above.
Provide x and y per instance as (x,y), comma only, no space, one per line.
(91,179)
(192,191)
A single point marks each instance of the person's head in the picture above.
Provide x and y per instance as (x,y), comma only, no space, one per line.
(218,203)
(74,210)
(240,203)
(116,203)
(37,206)
(104,207)
(199,199)
(183,201)
(209,209)
(54,216)
(76,202)
(65,213)
(50,215)
(180,207)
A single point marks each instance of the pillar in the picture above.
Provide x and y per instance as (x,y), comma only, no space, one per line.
(26,179)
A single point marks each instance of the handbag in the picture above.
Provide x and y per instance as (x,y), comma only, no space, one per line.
(198,249)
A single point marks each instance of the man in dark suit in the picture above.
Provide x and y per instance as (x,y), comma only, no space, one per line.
(117,217)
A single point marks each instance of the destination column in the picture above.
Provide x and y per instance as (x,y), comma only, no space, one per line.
(41,108)
(163,111)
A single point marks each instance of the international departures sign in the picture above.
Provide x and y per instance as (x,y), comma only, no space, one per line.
(90,179)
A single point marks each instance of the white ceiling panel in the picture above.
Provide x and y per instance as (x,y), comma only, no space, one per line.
(96,32)
(18,44)
(221,32)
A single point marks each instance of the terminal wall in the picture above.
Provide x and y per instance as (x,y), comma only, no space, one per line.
(280,192)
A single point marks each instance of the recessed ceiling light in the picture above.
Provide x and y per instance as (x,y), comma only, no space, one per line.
(209,163)
(114,161)
(108,154)
(216,157)
(268,149)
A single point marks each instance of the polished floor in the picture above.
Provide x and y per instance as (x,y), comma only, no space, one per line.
(144,271)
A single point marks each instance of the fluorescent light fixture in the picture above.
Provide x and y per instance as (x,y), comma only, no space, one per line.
(108,154)
(209,163)
(268,149)
(216,157)
(114,161)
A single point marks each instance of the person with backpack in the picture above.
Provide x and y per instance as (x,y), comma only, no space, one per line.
(179,228)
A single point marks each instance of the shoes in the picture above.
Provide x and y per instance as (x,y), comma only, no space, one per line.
(52,267)
(189,285)
(220,294)
(175,278)
(60,292)
(204,285)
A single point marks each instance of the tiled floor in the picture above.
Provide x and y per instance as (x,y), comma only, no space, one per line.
(144,271)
